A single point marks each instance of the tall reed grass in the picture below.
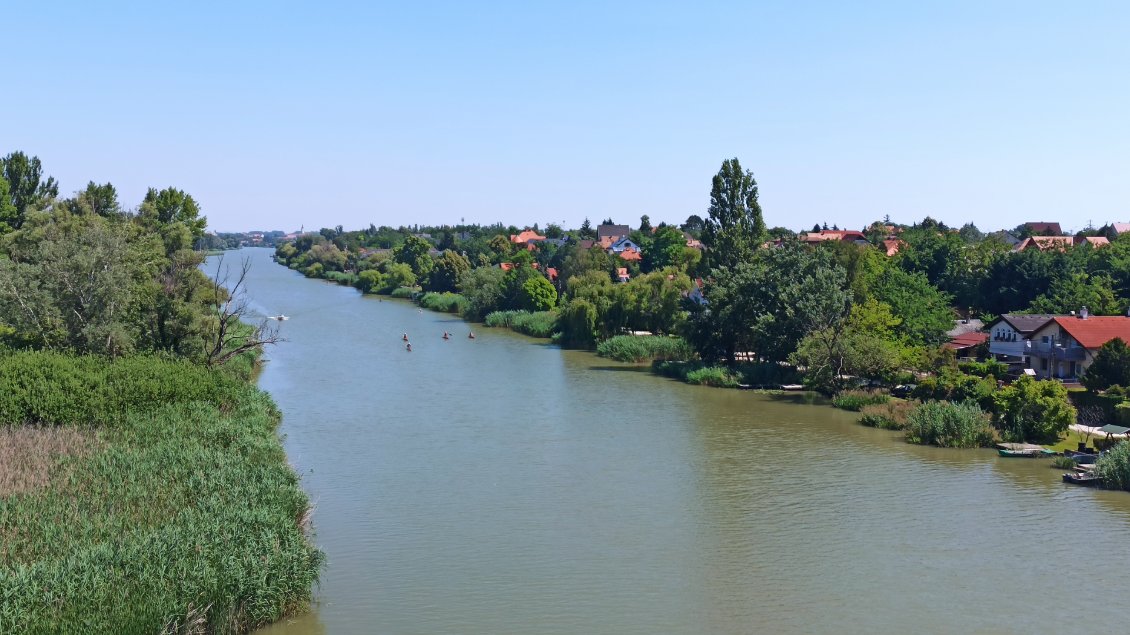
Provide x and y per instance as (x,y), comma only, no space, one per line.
(642,348)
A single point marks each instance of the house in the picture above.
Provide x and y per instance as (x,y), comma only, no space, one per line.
(623,244)
(964,343)
(1066,345)
(1009,334)
(631,255)
(1044,228)
(586,244)
(526,238)
(1060,243)
(892,245)
(622,274)
(1120,228)
(844,235)
(612,231)
(1005,237)
(551,273)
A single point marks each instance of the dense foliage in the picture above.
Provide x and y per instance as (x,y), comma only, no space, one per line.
(949,425)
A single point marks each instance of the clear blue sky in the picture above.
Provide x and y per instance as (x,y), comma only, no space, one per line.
(276,114)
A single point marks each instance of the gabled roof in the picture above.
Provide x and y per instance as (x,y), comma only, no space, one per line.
(1120,227)
(1095,330)
(892,245)
(525,237)
(833,234)
(1044,227)
(1022,323)
(630,254)
(966,340)
(551,273)
(1047,243)
(586,244)
(622,272)
(612,230)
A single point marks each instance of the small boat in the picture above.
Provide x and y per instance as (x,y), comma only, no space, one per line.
(1086,479)
(1027,453)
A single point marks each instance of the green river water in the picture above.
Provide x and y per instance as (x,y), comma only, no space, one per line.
(502,485)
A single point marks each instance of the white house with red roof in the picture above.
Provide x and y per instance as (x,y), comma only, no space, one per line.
(1064,346)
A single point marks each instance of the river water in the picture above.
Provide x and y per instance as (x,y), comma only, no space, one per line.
(502,485)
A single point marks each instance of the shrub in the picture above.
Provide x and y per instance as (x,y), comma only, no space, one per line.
(989,368)
(1063,462)
(635,348)
(1113,467)
(718,376)
(537,324)
(445,302)
(1031,410)
(949,425)
(341,277)
(891,415)
(954,386)
(404,293)
(855,400)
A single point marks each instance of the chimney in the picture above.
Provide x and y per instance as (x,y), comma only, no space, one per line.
(1083,313)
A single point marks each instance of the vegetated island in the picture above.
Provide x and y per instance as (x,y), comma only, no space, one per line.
(143,487)
(922,310)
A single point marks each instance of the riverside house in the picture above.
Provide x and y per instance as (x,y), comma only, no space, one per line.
(1009,336)
(1064,346)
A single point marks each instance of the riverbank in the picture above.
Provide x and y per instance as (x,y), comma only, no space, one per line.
(165,503)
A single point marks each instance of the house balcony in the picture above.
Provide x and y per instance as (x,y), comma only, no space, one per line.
(1011,349)
(1057,352)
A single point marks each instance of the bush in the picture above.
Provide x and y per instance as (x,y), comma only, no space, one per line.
(404,293)
(1031,410)
(718,376)
(445,302)
(949,425)
(1113,467)
(855,400)
(954,386)
(891,415)
(537,324)
(1063,462)
(636,348)
(989,368)
(342,278)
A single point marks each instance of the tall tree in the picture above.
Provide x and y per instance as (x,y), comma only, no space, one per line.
(734,227)
(586,231)
(9,217)
(170,205)
(27,189)
(645,224)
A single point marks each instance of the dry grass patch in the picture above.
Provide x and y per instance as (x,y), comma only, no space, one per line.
(29,455)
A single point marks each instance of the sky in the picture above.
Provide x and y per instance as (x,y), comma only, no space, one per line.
(279,115)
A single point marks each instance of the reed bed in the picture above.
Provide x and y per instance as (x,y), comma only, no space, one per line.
(183,517)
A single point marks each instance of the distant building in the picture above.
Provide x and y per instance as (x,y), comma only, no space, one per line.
(1044,228)
(843,235)
(1066,345)
(612,231)
(1060,243)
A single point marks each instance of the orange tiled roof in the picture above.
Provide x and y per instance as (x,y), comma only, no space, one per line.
(965,340)
(1096,330)
(893,245)
(630,255)
(525,237)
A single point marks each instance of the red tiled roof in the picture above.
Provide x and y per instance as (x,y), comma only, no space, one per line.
(506,266)
(966,340)
(1044,227)
(893,245)
(622,272)
(833,234)
(551,272)
(630,255)
(525,237)
(1096,330)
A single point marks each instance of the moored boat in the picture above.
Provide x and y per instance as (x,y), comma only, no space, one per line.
(1028,453)
(1086,479)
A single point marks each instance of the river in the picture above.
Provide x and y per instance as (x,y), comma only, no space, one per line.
(502,485)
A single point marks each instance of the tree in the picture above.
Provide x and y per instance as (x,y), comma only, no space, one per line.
(1072,291)
(9,216)
(225,338)
(735,226)
(483,288)
(645,224)
(1031,410)
(925,312)
(169,206)
(586,231)
(27,190)
(865,347)
(414,253)
(449,268)
(538,294)
(577,323)
(666,249)
(399,274)
(1110,368)
(694,225)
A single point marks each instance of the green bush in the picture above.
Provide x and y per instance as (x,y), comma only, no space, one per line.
(949,425)
(341,277)
(635,348)
(404,293)
(891,415)
(536,324)
(184,509)
(1114,467)
(989,368)
(718,376)
(954,386)
(445,302)
(855,400)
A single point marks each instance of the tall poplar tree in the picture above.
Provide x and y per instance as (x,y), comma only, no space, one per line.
(734,227)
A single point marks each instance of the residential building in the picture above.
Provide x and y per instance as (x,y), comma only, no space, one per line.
(612,231)
(1044,228)
(1060,243)
(1066,345)
(845,235)
(1009,335)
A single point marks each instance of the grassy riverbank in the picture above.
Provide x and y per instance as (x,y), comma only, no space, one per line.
(162,503)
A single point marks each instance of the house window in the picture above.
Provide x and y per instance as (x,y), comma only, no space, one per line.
(1043,363)
(1045,339)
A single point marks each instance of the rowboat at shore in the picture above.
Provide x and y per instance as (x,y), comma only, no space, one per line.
(1023,450)
(1086,479)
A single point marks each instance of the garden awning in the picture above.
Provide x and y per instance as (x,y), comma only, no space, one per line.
(1113,429)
